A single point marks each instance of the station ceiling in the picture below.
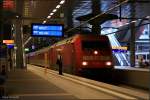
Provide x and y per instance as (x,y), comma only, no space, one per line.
(38,10)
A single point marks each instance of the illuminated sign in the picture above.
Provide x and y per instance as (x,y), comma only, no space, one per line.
(8,41)
(119,49)
(26,49)
(10,46)
(47,30)
(8,4)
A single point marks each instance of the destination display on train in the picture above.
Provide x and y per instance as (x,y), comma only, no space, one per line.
(47,30)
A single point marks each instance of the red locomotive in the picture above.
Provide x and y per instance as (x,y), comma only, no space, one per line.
(80,52)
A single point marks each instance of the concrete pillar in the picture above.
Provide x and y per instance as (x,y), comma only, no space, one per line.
(19,44)
(19,36)
(132,40)
(96,9)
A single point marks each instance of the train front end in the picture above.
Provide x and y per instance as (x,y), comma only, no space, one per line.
(96,53)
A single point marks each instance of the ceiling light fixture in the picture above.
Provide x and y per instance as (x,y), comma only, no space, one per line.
(44,21)
(62,2)
(148,17)
(126,23)
(133,21)
(58,6)
(17,16)
(48,17)
(54,10)
(51,14)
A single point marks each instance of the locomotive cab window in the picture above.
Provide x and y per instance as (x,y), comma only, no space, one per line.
(95,45)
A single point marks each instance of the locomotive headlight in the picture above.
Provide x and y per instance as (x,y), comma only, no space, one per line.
(84,63)
(108,63)
(95,52)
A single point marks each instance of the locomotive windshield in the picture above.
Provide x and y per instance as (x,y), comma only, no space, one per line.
(95,45)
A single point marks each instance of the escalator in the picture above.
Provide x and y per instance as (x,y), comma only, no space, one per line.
(123,36)
(121,57)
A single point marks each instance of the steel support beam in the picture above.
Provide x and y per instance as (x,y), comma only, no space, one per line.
(132,40)
(96,9)
(68,13)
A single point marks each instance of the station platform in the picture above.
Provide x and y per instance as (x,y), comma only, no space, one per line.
(134,76)
(25,85)
(37,83)
(136,68)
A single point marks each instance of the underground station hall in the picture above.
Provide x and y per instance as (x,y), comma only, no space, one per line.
(74,49)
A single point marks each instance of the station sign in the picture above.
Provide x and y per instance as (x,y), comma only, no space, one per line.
(8,41)
(47,30)
(10,46)
(8,4)
(119,49)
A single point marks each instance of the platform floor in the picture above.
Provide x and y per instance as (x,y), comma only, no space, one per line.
(35,84)
(25,85)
